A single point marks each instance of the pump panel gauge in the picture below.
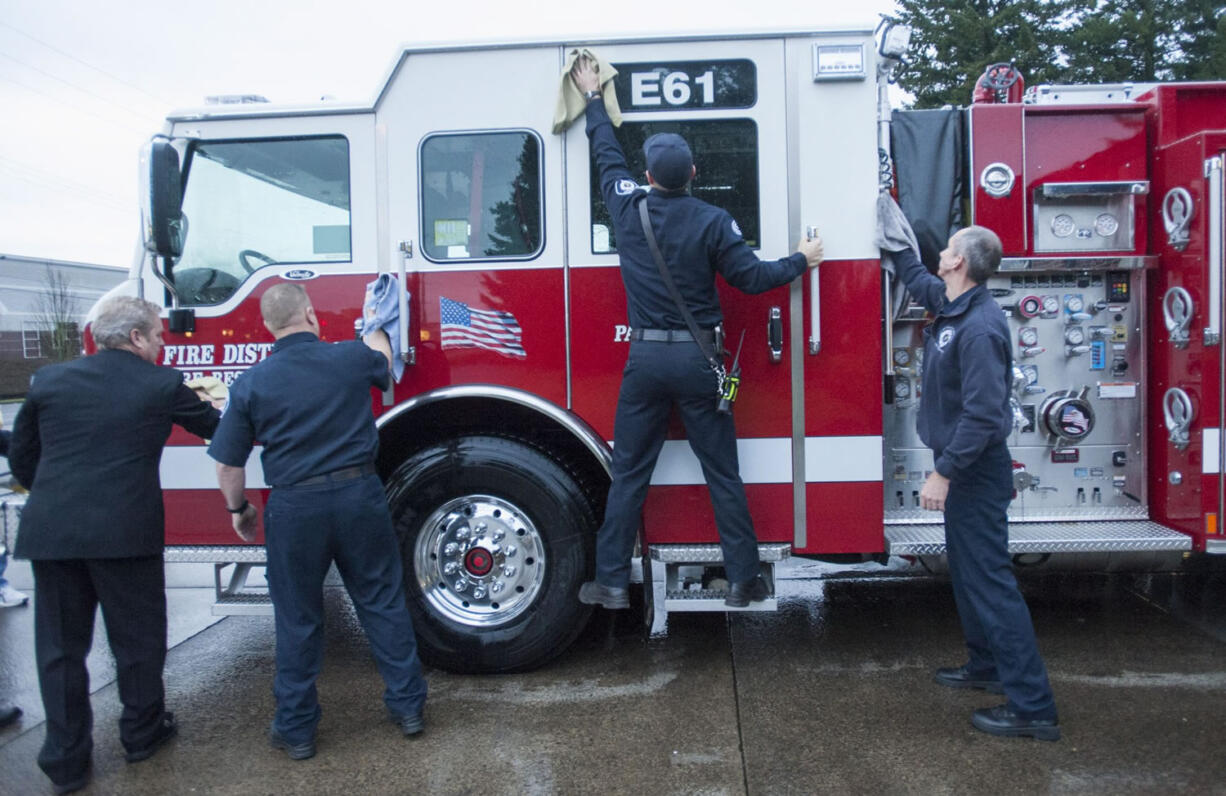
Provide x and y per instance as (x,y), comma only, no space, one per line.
(1106,225)
(1074,335)
(902,357)
(1028,336)
(1063,225)
(1074,303)
(1051,306)
(902,389)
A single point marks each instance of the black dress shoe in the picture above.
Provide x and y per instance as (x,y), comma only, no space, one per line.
(9,714)
(166,730)
(961,678)
(410,725)
(611,597)
(741,595)
(1000,720)
(71,786)
(301,751)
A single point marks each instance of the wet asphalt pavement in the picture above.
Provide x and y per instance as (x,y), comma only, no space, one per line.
(831,694)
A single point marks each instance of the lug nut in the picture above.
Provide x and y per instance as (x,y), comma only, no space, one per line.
(479,592)
(463,533)
(509,550)
(461,585)
(499,534)
(481,526)
(497,587)
(508,571)
(450,568)
(451,549)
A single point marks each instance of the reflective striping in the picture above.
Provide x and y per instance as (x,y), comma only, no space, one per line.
(763,461)
(836,459)
(1209,442)
(769,461)
(191,467)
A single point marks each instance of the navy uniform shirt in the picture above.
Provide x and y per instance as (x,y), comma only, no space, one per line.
(696,239)
(968,367)
(309,404)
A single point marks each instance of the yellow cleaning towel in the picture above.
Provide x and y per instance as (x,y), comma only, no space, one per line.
(571,103)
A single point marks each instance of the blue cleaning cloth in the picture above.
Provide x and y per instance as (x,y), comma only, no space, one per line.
(381,310)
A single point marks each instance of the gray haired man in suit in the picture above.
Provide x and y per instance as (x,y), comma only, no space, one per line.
(87,443)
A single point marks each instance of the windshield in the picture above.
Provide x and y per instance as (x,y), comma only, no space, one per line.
(250,204)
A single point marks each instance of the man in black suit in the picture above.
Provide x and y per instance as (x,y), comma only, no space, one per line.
(87,443)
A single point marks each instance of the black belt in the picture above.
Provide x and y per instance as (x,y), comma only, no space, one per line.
(343,474)
(671,335)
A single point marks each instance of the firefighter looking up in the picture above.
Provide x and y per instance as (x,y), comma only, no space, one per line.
(965,418)
(666,367)
(309,404)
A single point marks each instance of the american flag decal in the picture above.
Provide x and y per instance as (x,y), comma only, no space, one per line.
(464,327)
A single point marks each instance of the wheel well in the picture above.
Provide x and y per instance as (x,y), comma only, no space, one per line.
(437,421)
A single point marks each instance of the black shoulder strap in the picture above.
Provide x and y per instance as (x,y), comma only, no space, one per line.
(707,352)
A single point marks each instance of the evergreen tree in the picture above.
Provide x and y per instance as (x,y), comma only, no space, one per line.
(953,40)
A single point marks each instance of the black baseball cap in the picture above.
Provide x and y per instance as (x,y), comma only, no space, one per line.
(669,160)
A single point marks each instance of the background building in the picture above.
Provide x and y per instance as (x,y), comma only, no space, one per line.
(43,304)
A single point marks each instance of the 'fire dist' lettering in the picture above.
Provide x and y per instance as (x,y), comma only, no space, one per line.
(188,355)
(244,353)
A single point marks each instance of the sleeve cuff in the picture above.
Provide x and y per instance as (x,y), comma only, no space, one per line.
(943,466)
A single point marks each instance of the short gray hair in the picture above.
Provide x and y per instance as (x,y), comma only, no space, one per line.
(981,248)
(117,316)
(282,304)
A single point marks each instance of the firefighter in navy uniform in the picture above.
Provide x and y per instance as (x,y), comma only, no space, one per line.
(309,404)
(965,418)
(665,366)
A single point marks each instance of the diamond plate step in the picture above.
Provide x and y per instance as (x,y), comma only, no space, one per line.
(243,604)
(711,553)
(710,600)
(215,554)
(1048,537)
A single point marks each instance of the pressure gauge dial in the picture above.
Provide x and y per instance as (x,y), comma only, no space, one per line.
(1074,304)
(1031,373)
(902,389)
(1051,305)
(1028,336)
(1074,335)
(902,357)
(1063,225)
(1106,225)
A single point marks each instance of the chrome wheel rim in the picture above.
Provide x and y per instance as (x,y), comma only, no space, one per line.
(479,560)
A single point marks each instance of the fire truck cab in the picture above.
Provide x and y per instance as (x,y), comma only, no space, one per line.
(495,442)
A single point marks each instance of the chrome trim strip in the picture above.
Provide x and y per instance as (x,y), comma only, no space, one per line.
(1053,190)
(1078,263)
(590,439)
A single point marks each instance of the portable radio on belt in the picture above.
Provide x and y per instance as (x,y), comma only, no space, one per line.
(732,382)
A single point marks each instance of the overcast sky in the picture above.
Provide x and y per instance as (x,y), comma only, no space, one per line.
(84,84)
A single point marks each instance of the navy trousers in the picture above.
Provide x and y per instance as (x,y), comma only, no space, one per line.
(132,592)
(657,377)
(995,621)
(306,529)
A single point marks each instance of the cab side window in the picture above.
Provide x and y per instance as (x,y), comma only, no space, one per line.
(726,156)
(252,204)
(481,196)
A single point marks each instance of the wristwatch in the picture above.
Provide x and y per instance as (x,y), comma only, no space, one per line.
(241,508)
(591,95)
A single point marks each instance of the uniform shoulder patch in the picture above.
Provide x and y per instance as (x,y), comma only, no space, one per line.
(625,187)
(737,229)
(947,334)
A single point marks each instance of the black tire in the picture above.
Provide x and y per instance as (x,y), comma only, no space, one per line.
(486,485)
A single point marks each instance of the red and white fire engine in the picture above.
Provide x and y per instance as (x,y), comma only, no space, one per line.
(495,444)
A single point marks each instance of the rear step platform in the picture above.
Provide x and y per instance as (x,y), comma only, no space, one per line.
(673,580)
(1048,537)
